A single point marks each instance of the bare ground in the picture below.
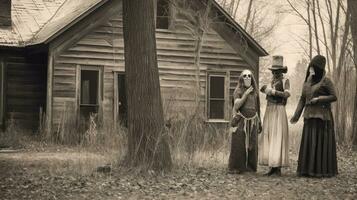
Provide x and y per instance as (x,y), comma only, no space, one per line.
(58,174)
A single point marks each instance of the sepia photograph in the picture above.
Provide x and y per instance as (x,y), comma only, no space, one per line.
(178,99)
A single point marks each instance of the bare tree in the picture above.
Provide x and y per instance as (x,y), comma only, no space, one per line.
(197,23)
(196,19)
(252,16)
(147,144)
(333,33)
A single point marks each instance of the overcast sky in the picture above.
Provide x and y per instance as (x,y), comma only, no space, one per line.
(286,37)
(285,40)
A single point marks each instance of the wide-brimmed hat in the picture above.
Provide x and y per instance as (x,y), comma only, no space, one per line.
(278,64)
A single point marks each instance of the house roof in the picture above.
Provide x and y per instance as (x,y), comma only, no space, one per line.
(39,21)
(28,17)
(68,14)
(36,21)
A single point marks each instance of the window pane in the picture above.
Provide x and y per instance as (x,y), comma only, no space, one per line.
(216,87)
(216,109)
(163,8)
(162,20)
(89,87)
(162,23)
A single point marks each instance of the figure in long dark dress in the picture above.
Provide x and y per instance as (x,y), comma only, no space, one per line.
(317,156)
(246,124)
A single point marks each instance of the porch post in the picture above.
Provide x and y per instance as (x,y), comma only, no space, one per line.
(49,93)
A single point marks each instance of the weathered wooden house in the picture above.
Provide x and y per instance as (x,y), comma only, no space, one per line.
(70,53)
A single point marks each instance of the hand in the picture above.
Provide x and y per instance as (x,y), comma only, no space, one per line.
(269,91)
(314,100)
(249,90)
(294,120)
(262,89)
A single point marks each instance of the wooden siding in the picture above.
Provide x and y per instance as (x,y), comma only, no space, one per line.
(104,46)
(25,89)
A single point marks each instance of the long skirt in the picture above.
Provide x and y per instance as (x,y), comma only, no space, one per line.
(317,156)
(274,140)
(238,158)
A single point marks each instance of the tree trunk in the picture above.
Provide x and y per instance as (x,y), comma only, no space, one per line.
(315,25)
(236,10)
(335,35)
(310,29)
(147,144)
(197,61)
(352,4)
(341,89)
(231,8)
(354,115)
(249,11)
(325,37)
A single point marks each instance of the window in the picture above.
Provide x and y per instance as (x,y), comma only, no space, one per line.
(162,18)
(216,96)
(90,92)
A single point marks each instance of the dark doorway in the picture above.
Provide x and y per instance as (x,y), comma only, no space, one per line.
(122,101)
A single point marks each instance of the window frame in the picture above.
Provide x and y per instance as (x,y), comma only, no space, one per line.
(225,75)
(169,16)
(99,69)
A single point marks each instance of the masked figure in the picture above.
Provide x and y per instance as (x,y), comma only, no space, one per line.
(317,156)
(245,125)
(274,146)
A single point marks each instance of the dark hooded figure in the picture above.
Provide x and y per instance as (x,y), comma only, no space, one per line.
(245,126)
(317,156)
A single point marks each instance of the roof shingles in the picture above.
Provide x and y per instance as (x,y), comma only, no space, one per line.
(37,21)
(34,21)
(28,17)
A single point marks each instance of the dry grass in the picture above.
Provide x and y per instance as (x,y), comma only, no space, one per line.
(14,136)
(74,150)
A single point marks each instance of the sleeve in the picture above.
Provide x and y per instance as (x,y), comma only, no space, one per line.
(237,101)
(331,93)
(300,107)
(237,94)
(286,93)
(287,86)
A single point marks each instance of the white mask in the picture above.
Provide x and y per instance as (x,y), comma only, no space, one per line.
(247,78)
